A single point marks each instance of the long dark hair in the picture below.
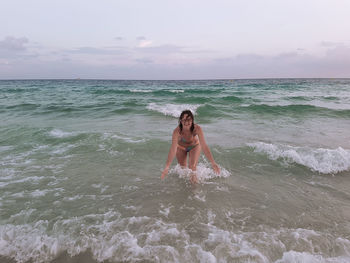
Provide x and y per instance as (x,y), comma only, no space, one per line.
(189,114)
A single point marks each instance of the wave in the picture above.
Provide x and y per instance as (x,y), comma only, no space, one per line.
(23,106)
(109,91)
(123,137)
(111,237)
(231,99)
(27,180)
(204,172)
(176,90)
(295,256)
(299,109)
(299,98)
(138,92)
(203,91)
(330,98)
(325,161)
(141,90)
(209,111)
(173,110)
(19,90)
(192,99)
(57,133)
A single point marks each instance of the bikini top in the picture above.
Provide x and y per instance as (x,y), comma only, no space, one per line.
(185,141)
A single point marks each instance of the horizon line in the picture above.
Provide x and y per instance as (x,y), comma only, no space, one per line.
(267,78)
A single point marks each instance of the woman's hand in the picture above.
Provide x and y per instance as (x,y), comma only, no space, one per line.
(215,168)
(164,173)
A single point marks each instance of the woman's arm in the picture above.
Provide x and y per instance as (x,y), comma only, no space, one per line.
(172,152)
(206,149)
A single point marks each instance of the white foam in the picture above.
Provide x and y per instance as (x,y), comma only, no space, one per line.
(222,188)
(101,187)
(176,90)
(39,193)
(110,237)
(22,216)
(326,161)
(304,257)
(211,217)
(238,245)
(197,252)
(141,90)
(156,235)
(30,179)
(29,159)
(200,196)
(25,242)
(204,172)
(173,109)
(58,150)
(131,207)
(122,137)
(129,187)
(165,211)
(73,198)
(60,134)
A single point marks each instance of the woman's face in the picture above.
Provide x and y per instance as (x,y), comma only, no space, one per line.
(186,121)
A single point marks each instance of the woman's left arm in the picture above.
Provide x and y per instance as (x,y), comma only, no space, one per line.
(206,149)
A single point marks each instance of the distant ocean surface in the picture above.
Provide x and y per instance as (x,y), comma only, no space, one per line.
(80,166)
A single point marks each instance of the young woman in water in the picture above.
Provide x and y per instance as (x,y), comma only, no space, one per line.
(188,138)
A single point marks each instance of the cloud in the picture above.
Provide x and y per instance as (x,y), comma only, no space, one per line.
(164,62)
(335,63)
(89,50)
(171,49)
(14,44)
(248,57)
(330,44)
(98,51)
(287,55)
(339,53)
(144,60)
(144,43)
(164,49)
(17,48)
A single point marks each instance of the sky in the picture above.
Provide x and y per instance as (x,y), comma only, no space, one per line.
(182,39)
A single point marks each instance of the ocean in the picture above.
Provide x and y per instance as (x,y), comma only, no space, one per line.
(81,160)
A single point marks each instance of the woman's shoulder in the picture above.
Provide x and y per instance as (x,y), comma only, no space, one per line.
(197,129)
(176,130)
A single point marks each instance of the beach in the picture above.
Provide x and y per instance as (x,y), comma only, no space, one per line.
(81,160)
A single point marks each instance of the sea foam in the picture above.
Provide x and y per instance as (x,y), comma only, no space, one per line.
(111,237)
(294,256)
(172,109)
(325,161)
(203,172)
(176,90)
(141,90)
(60,134)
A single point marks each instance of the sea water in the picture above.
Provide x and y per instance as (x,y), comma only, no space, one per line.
(80,166)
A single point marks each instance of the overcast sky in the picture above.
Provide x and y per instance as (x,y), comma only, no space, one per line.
(179,39)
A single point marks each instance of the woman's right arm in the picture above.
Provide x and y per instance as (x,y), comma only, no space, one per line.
(172,152)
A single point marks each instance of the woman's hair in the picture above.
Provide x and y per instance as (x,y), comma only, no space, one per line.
(189,114)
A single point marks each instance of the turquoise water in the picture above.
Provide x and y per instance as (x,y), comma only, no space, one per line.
(80,166)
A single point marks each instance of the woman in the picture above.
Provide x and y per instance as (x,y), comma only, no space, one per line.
(188,138)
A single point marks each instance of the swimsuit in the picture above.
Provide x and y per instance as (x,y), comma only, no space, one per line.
(186,148)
